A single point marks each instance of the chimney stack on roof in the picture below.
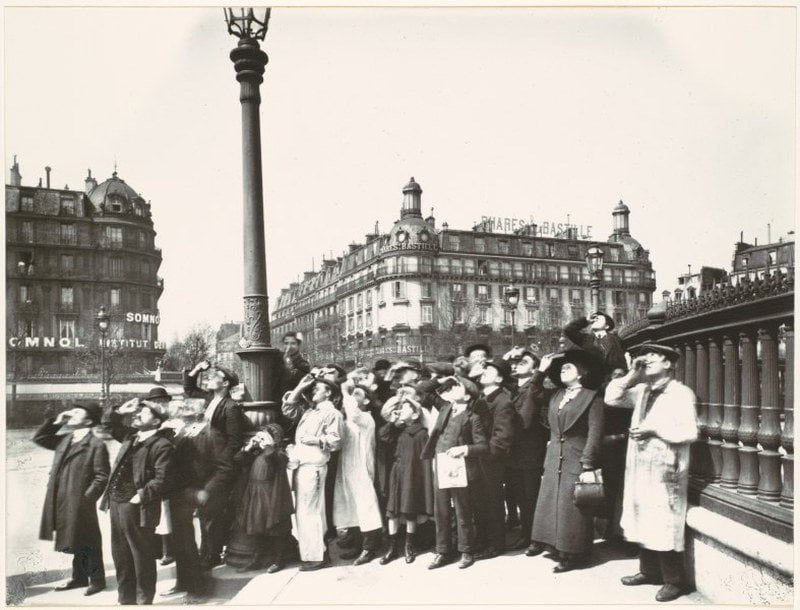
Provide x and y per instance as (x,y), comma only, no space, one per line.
(47,170)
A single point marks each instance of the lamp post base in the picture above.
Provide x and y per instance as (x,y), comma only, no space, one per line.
(261,368)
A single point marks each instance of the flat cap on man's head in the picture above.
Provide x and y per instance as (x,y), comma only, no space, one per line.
(609,320)
(231,377)
(502,367)
(336,391)
(665,350)
(381,365)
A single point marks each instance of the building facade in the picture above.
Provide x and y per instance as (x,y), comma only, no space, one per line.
(68,253)
(425,292)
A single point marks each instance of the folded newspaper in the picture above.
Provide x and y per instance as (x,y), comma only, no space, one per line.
(450,471)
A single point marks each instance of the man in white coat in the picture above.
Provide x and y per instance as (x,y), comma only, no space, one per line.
(355,503)
(654,504)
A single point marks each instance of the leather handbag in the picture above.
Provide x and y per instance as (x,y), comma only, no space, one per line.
(590,497)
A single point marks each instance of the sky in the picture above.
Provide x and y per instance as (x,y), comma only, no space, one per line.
(686,114)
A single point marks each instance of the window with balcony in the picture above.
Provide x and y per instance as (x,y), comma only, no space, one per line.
(502,246)
(456,267)
(67,263)
(67,297)
(68,233)
(532,317)
(68,206)
(26,203)
(457,291)
(368,298)
(531,295)
(527,248)
(427,290)
(113,237)
(454,242)
(115,297)
(484,315)
(27,231)
(115,267)
(427,314)
(66,329)
(482,292)
(549,250)
(398,290)
(480,244)
(469,266)
(458,314)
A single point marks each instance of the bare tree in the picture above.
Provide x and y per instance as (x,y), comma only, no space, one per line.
(198,344)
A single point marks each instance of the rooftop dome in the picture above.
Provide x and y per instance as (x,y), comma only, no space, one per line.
(111,189)
(621,207)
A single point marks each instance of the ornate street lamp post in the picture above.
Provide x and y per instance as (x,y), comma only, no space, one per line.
(511,295)
(594,263)
(102,320)
(260,361)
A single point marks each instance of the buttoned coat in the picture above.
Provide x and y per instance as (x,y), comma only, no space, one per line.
(472,434)
(77,479)
(655,499)
(530,434)
(152,475)
(608,347)
(411,478)
(575,440)
(228,418)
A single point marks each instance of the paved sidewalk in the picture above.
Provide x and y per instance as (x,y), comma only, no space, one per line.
(509,579)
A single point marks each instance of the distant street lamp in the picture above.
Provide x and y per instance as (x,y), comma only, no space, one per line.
(511,295)
(102,320)
(260,361)
(594,263)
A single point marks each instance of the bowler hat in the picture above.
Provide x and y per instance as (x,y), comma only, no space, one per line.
(670,353)
(336,391)
(92,408)
(609,319)
(502,367)
(593,368)
(157,393)
(441,368)
(478,346)
(157,409)
(381,365)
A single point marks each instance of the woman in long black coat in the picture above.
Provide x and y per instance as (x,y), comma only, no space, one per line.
(574,415)
(77,480)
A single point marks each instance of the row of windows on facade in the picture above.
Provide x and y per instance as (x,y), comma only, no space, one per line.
(67,233)
(115,266)
(67,205)
(143,300)
(466,266)
(67,328)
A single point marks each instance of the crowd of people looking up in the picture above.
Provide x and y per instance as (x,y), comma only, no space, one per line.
(385,462)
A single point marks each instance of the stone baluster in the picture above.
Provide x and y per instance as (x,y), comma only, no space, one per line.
(690,366)
(716,386)
(787,437)
(731,414)
(680,366)
(700,459)
(769,429)
(748,427)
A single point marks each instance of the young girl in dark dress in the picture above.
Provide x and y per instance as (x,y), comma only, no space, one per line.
(411,479)
(266,505)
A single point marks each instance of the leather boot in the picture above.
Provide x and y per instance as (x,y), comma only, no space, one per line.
(411,553)
(393,552)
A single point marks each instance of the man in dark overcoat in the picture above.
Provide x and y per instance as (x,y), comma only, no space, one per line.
(498,421)
(77,480)
(140,479)
(223,415)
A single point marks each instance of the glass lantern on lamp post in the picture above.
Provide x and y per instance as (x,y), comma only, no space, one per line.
(511,295)
(594,263)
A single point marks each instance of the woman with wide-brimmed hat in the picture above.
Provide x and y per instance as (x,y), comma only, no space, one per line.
(574,414)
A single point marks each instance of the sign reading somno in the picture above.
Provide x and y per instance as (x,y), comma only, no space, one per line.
(144,318)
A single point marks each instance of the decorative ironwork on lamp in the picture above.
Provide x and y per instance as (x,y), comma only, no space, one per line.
(243,23)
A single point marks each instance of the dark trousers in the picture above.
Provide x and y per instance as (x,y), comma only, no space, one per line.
(662,565)
(613,464)
(216,519)
(464,519)
(184,546)
(135,550)
(512,503)
(526,480)
(87,565)
(489,507)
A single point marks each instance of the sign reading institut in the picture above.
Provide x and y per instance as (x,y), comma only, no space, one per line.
(76,342)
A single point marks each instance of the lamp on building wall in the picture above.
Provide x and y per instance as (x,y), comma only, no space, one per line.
(260,361)
(511,295)
(594,263)
(102,320)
